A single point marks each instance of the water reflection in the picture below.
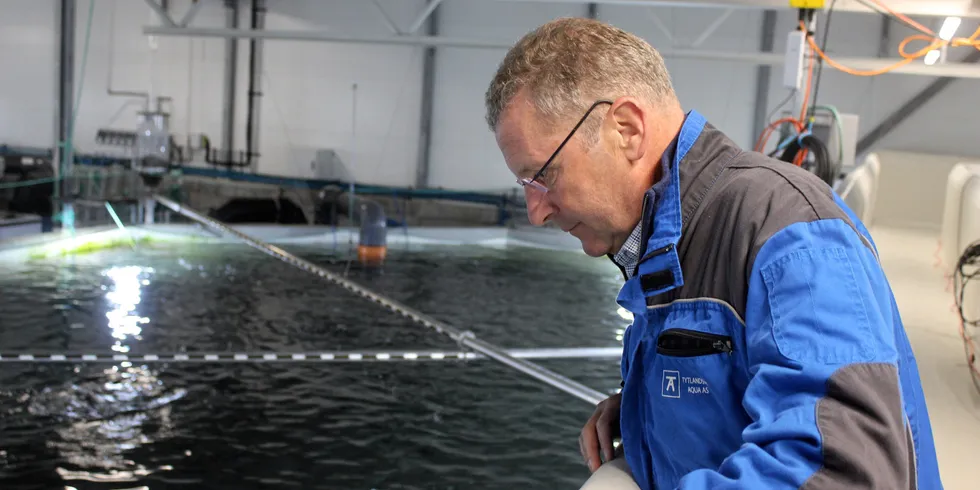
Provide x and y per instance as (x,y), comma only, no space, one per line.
(109,412)
(123,297)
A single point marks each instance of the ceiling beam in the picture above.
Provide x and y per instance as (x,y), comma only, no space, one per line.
(961,8)
(910,107)
(955,70)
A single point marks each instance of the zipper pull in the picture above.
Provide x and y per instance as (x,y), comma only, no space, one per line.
(659,251)
(723,346)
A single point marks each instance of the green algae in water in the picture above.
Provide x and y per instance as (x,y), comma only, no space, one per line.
(99,242)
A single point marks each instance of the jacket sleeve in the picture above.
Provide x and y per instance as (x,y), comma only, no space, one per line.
(824,392)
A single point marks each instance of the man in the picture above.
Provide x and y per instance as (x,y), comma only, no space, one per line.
(766,349)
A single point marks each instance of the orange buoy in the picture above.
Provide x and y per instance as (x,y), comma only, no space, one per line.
(371,255)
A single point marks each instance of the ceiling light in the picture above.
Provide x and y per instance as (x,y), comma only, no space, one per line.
(932,57)
(950,25)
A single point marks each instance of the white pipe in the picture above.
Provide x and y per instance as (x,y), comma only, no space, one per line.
(955,70)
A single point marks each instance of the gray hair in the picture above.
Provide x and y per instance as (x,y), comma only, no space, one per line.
(569,63)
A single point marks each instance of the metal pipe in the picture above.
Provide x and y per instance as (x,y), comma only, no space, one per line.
(956,70)
(428,103)
(231,84)
(763,74)
(254,86)
(464,338)
(64,147)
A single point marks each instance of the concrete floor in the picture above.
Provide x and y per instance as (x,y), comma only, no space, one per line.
(910,261)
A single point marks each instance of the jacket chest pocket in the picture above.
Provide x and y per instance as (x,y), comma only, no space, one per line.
(680,342)
(695,386)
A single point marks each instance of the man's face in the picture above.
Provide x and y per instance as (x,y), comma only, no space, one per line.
(586,192)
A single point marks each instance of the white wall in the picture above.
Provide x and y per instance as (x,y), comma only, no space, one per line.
(464,153)
(912,189)
(307,101)
(27,88)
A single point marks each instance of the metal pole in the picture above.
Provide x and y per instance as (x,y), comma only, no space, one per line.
(592,10)
(763,75)
(63,154)
(254,86)
(428,101)
(464,338)
(231,84)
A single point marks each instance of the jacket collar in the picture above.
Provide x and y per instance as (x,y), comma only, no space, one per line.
(668,207)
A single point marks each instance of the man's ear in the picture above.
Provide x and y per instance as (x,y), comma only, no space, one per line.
(630,128)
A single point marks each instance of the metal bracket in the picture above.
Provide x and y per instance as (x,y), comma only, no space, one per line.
(191,13)
(423,16)
(416,24)
(164,17)
(168,21)
(660,25)
(387,18)
(712,28)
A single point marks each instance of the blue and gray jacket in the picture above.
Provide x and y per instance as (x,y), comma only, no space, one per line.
(766,350)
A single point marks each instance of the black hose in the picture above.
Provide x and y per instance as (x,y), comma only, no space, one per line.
(823,48)
(966,271)
(823,165)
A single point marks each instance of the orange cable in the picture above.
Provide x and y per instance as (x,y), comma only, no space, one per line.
(915,25)
(934,43)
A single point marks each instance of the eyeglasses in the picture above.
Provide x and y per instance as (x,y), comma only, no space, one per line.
(535,182)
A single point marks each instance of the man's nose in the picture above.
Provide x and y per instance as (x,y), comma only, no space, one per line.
(539,207)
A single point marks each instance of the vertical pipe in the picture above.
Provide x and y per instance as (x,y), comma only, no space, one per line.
(230,76)
(65,71)
(592,10)
(254,85)
(763,76)
(149,210)
(428,100)
(884,44)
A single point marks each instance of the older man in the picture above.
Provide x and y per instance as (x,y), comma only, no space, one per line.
(766,349)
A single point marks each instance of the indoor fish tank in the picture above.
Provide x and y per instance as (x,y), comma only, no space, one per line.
(373,422)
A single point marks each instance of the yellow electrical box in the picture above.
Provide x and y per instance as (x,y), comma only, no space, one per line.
(806,4)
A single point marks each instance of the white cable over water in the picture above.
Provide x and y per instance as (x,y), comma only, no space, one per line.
(314,356)
(464,338)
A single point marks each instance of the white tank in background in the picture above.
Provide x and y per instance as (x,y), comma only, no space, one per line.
(957,231)
(859,189)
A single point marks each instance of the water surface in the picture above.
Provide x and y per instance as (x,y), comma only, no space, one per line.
(449,424)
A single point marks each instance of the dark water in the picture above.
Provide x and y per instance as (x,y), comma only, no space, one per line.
(449,424)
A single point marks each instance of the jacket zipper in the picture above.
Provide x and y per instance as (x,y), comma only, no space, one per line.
(659,251)
(677,342)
